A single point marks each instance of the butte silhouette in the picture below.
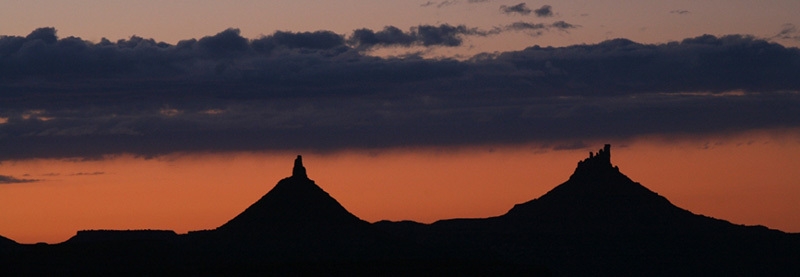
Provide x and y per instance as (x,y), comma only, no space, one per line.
(598,223)
(294,203)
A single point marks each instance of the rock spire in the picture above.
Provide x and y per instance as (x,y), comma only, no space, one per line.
(601,158)
(299,171)
(598,163)
(295,205)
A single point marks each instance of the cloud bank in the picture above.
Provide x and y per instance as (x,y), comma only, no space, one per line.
(318,91)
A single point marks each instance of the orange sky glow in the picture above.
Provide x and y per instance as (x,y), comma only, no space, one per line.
(747,179)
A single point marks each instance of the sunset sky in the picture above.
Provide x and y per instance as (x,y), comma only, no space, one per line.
(179,114)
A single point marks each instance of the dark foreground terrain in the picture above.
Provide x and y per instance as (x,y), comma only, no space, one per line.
(599,222)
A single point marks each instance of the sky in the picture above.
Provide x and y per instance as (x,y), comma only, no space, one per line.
(179,114)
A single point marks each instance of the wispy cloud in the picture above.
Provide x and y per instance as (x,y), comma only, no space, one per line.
(87,173)
(680,12)
(539,27)
(11,180)
(561,25)
(445,3)
(788,32)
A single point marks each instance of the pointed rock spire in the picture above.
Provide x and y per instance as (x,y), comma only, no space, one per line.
(299,171)
(295,202)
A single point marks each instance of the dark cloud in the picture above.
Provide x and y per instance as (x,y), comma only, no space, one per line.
(11,180)
(227,42)
(389,36)
(520,8)
(544,11)
(45,35)
(425,35)
(319,40)
(445,35)
(317,91)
